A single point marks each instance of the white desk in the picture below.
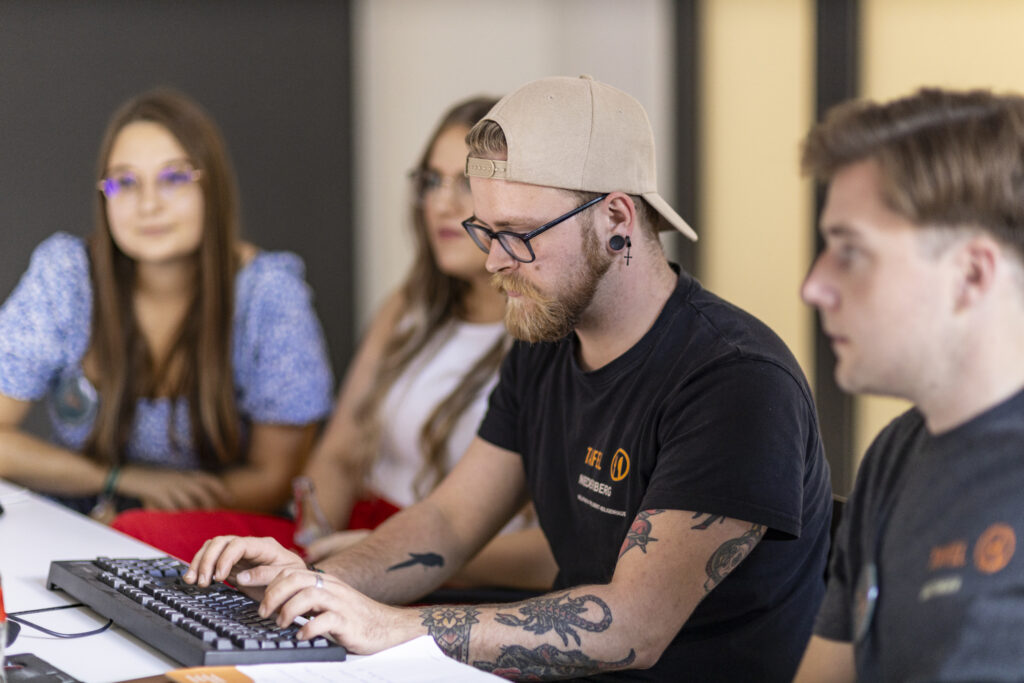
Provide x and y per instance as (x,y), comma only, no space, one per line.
(33,531)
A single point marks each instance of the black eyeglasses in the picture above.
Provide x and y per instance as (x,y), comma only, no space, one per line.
(515,245)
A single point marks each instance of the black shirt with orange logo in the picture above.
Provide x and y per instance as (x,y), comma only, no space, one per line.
(926,579)
(709,413)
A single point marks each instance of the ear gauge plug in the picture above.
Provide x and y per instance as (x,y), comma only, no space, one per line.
(617,242)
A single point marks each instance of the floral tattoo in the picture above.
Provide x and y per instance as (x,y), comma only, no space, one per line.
(449,626)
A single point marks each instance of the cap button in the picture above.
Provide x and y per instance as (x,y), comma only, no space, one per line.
(586,77)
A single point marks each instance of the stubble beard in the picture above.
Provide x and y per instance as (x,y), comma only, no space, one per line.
(534,317)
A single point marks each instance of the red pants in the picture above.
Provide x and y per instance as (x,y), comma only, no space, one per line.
(182,532)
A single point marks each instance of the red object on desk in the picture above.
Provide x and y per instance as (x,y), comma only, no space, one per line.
(181,533)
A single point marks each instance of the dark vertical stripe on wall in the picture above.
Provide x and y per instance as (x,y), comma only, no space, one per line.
(836,79)
(686,129)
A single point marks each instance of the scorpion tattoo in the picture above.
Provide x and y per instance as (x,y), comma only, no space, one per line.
(560,614)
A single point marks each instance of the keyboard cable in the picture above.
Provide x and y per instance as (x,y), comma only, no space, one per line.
(17,617)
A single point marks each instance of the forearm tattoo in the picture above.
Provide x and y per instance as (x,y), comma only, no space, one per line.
(639,534)
(449,626)
(560,614)
(426,559)
(729,555)
(547,662)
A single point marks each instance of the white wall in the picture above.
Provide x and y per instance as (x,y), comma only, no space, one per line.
(413,58)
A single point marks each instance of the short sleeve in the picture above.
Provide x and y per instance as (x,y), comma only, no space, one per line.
(283,374)
(834,618)
(44,324)
(500,424)
(737,440)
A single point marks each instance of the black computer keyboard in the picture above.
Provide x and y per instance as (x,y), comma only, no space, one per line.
(195,626)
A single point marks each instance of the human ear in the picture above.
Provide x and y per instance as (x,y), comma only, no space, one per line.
(978,262)
(621,215)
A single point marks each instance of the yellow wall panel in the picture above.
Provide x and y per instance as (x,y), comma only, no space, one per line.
(756,104)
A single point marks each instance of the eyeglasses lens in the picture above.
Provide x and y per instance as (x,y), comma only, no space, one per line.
(119,184)
(427,182)
(516,247)
(482,239)
(169,181)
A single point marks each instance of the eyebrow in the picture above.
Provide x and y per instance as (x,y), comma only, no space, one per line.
(165,164)
(841,230)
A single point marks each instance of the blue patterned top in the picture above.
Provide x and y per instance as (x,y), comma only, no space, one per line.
(282,374)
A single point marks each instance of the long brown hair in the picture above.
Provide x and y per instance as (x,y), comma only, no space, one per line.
(430,299)
(198,365)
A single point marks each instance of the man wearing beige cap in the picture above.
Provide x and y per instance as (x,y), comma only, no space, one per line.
(667,440)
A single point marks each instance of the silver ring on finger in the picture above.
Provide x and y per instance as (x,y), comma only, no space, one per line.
(319,581)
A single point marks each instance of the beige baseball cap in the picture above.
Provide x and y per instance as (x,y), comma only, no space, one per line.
(577,134)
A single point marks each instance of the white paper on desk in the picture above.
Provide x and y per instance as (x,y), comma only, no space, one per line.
(419,660)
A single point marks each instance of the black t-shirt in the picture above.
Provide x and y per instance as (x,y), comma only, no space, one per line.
(938,516)
(708,412)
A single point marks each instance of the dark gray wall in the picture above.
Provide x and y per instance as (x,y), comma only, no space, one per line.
(275,76)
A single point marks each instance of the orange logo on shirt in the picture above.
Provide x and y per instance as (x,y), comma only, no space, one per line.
(994,548)
(950,556)
(620,465)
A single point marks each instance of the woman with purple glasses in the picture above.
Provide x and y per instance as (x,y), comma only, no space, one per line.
(181,367)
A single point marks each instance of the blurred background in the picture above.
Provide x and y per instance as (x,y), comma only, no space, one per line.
(325,106)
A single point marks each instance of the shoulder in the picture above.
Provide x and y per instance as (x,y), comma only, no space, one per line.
(393,311)
(896,441)
(58,274)
(271,278)
(262,267)
(734,327)
(61,253)
(724,338)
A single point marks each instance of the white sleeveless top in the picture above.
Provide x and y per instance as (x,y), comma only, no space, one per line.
(431,376)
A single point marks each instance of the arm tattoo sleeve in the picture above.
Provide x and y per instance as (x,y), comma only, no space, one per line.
(547,662)
(449,626)
(560,614)
(729,555)
(639,534)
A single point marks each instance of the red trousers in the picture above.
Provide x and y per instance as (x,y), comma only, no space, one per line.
(182,532)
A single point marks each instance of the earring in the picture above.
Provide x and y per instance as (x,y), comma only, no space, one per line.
(617,242)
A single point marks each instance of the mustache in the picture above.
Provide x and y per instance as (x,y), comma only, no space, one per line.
(514,282)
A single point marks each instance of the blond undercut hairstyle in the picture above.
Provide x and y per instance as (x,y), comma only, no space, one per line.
(486,140)
(946,159)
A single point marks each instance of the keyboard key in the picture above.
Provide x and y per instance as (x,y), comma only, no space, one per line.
(217,625)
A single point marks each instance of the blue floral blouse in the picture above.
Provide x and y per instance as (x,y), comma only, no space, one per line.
(282,374)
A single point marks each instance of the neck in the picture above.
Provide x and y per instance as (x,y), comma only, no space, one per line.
(626,304)
(175,280)
(985,369)
(482,303)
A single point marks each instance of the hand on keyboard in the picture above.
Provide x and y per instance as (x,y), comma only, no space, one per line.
(196,626)
(334,608)
(248,563)
(342,613)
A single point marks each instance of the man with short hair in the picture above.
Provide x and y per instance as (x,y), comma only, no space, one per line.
(920,287)
(667,439)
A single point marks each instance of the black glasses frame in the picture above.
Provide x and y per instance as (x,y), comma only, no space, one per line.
(475,228)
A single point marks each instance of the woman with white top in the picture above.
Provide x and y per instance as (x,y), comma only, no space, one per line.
(418,386)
